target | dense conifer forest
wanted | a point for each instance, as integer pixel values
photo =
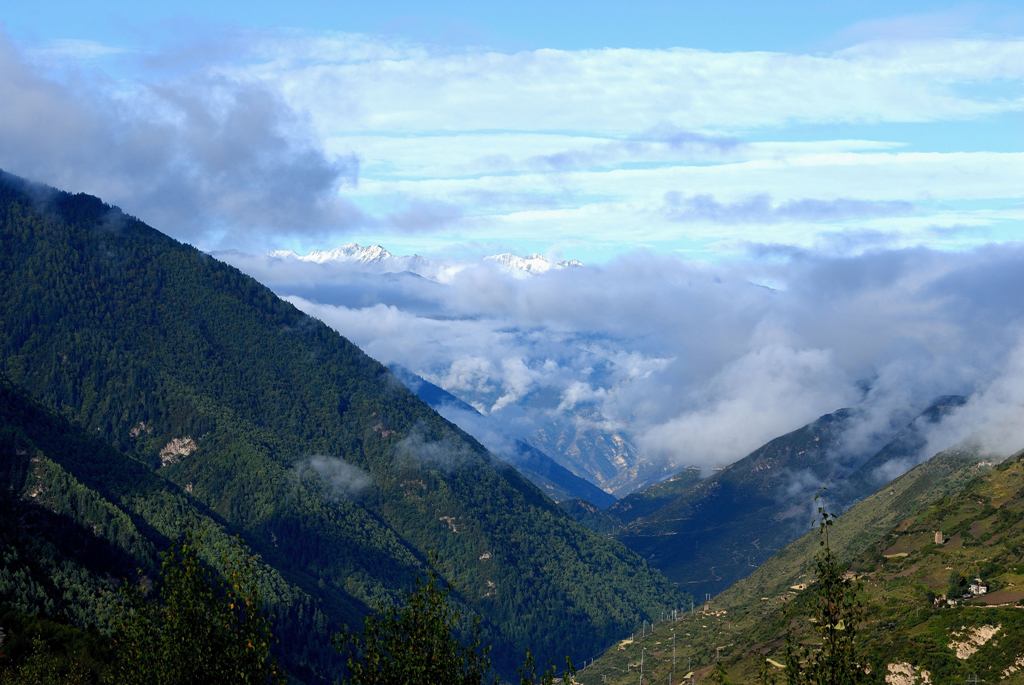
(159, 392)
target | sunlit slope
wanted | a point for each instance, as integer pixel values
(749, 620)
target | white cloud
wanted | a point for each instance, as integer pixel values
(696, 361)
(544, 145)
(626, 90)
(342, 479)
(767, 392)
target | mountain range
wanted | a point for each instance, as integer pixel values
(378, 288)
(203, 386)
(149, 391)
(379, 258)
(556, 481)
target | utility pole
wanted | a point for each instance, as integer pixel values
(673, 651)
(643, 650)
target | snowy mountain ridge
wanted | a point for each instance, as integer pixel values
(533, 264)
(378, 256)
(349, 252)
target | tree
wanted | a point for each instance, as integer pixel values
(957, 585)
(203, 628)
(45, 667)
(838, 660)
(528, 672)
(417, 643)
(719, 675)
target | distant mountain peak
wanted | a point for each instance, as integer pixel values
(532, 264)
(349, 252)
(378, 257)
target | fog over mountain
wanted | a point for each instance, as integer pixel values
(697, 364)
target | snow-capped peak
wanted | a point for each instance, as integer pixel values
(534, 264)
(350, 252)
(377, 258)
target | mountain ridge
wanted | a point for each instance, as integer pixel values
(296, 438)
(707, 533)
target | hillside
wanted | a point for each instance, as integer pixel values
(279, 427)
(652, 499)
(706, 534)
(889, 541)
(81, 517)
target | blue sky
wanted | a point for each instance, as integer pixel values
(573, 129)
(529, 24)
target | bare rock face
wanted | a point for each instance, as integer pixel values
(139, 429)
(176, 450)
(904, 673)
(966, 641)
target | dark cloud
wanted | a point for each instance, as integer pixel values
(198, 156)
(841, 243)
(760, 209)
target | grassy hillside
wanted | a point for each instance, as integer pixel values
(714, 532)
(952, 492)
(330, 469)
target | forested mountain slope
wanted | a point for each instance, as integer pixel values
(79, 518)
(708, 533)
(329, 468)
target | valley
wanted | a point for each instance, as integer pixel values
(525, 343)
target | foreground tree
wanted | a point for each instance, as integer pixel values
(528, 672)
(417, 643)
(838, 659)
(203, 628)
(45, 667)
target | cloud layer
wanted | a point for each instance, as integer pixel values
(701, 364)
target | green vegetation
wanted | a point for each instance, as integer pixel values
(183, 397)
(705, 534)
(199, 628)
(911, 625)
(416, 644)
(84, 517)
(837, 657)
(202, 628)
(419, 643)
(747, 624)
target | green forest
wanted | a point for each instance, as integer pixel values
(152, 392)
